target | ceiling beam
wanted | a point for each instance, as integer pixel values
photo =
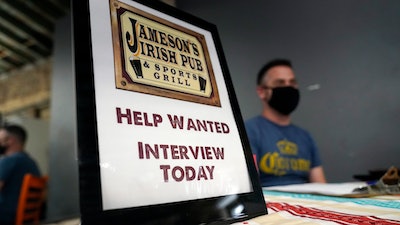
(20, 28)
(26, 30)
(32, 18)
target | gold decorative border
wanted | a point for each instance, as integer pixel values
(121, 75)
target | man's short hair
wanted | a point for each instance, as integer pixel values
(269, 65)
(16, 131)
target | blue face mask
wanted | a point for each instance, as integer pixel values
(284, 99)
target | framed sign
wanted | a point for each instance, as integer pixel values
(160, 135)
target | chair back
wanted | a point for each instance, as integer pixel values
(31, 199)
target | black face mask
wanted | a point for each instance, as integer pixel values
(284, 99)
(3, 149)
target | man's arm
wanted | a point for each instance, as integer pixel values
(317, 175)
(1, 184)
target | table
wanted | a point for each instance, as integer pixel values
(73, 221)
(290, 208)
(287, 208)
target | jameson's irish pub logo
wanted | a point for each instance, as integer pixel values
(155, 56)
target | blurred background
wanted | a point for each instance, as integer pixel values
(346, 55)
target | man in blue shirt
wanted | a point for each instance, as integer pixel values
(285, 153)
(14, 164)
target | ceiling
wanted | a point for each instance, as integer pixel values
(26, 31)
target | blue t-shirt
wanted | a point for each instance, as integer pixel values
(12, 170)
(285, 154)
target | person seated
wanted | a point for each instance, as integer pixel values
(285, 153)
(14, 164)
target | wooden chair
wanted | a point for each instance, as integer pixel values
(31, 199)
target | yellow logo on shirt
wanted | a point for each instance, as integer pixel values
(277, 164)
(287, 148)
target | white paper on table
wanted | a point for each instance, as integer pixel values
(336, 189)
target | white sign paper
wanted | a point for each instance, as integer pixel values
(155, 149)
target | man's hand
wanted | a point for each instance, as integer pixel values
(317, 175)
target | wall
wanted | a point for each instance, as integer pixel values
(346, 54)
(63, 193)
(26, 91)
(38, 142)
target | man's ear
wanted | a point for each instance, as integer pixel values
(261, 92)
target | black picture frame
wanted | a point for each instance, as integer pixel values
(200, 211)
